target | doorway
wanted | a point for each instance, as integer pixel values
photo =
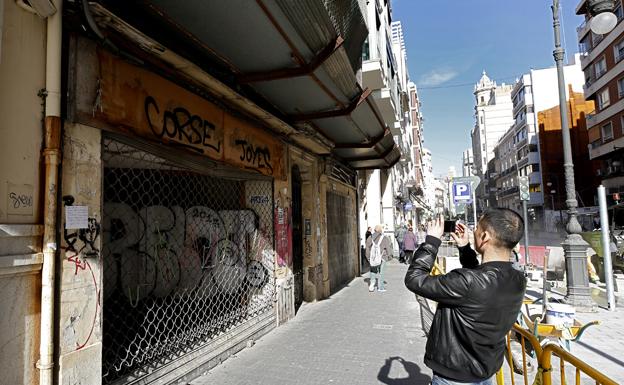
(297, 224)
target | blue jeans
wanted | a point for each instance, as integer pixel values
(437, 380)
(380, 275)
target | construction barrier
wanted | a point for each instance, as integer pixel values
(532, 352)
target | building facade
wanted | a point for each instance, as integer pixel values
(601, 62)
(468, 166)
(493, 117)
(430, 184)
(519, 148)
(416, 186)
(390, 197)
(586, 172)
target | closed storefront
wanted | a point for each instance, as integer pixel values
(187, 256)
(341, 235)
(340, 226)
(187, 224)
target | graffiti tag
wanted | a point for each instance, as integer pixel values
(255, 156)
(183, 126)
(20, 200)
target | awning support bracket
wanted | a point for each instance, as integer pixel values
(333, 113)
(302, 70)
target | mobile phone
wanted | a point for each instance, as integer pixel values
(449, 226)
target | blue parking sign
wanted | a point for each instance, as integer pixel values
(462, 192)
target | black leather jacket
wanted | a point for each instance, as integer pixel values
(477, 306)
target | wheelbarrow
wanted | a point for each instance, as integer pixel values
(564, 334)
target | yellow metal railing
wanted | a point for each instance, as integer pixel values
(543, 356)
(564, 356)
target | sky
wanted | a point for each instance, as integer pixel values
(450, 43)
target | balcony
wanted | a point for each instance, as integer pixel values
(534, 157)
(600, 44)
(536, 199)
(510, 191)
(520, 103)
(582, 30)
(373, 75)
(385, 103)
(531, 158)
(598, 149)
(509, 171)
(535, 178)
(395, 128)
(596, 117)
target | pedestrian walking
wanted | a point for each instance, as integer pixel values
(421, 234)
(378, 252)
(477, 304)
(399, 235)
(410, 243)
(368, 234)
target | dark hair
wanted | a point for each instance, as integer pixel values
(505, 225)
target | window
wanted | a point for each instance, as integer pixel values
(620, 83)
(600, 67)
(607, 132)
(589, 79)
(622, 123)
(618, 11)
(530, 109)
(366, 50)
(618, 51)
(603, 99)
(584, 45)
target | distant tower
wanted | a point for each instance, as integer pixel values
(483, 90)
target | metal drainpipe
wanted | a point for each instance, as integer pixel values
(51, 154)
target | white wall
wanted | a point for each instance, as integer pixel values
(22, 75)
(545, 89)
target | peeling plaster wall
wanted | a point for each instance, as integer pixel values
(314, 232)
(22, 75)
(80, 323)
(313, 226)
(19, 328)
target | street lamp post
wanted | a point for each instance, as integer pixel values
(575, 248)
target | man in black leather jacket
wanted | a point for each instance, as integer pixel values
(477, 304)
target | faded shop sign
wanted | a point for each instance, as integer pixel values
(139, 101)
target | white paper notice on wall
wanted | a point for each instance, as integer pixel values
(76, 217)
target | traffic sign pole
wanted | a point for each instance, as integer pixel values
(474, 209)
(525, 195)
(527, 257)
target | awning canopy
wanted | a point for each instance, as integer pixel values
(298, 56)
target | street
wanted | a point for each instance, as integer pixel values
(357, 337)
(353, 337)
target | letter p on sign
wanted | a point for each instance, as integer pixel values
(461, 192)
